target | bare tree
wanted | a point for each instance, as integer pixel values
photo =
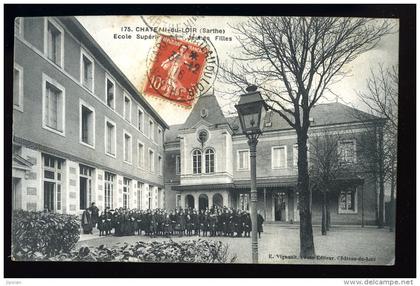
(326, 165)
(379, 146)
(294, 60)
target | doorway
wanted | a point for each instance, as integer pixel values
(217, 200)
(49, 196)
(83, 193)
(52, 178)
(203, 202)
(189, 202)
(280, 206)
(85, 186)
(16, 194)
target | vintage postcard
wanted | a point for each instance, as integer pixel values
(205, 139)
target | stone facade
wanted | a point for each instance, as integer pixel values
(34, 140)
(353, 201)
(204, 161)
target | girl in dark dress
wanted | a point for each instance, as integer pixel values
(260, 221)
(182, 223)
(87, 222)
(102, 224)
(167, 227)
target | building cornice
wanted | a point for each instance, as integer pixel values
(58, 153)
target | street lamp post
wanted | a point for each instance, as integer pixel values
(251, 112)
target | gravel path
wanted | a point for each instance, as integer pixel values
(280, 244)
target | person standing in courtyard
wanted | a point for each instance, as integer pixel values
(87, 221)
(260, 221)
(95, 214)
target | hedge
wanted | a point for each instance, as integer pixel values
(38, 235)
(191, 251)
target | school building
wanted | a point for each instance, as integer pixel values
(207, 163)
(82, 132)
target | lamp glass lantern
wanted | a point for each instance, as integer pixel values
(251, 111)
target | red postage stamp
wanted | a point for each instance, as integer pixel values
(176, 69)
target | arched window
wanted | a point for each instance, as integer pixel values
(209, 159)
(196, 156)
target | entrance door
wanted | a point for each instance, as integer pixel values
(49, 196)
(126, 193)
(52, 178)
(189, 202)
(85, 186)
(83, 193)
(203, 202)
(16, 194)
(280, 206)
(217, 200)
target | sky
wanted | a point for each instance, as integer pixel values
(133, 56)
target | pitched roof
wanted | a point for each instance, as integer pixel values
(212, 108)
(321, 115)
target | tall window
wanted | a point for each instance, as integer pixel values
(110, 92)
(178, 201)
(87, 70)
(149, 198)
(151, 161)
(347, 201)
(243, 160)
(52, 180)
(160, 165)
(18, 87)
(347, 151)
(85, 186)
(295, 155)
(110, 138)
(196, 156)
(209, 159)
(140, 187)
(178, 164)
(127, 108)
(244, 202)
(140, 154)
(160, 136)
(127, 147)
(87, 124)
(54, 43)
(109, 189)
(140, 119)
(126, 193)
(53, 104)
(151, 130)
(278, 157)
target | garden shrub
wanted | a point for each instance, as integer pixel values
(191, 251)
(38, 235)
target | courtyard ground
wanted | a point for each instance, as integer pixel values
(279, 244)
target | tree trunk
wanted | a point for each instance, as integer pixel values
(307, 249)
(374, 170)
(381, 181)
(324, 214)
(392, 206)
(328, 212)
